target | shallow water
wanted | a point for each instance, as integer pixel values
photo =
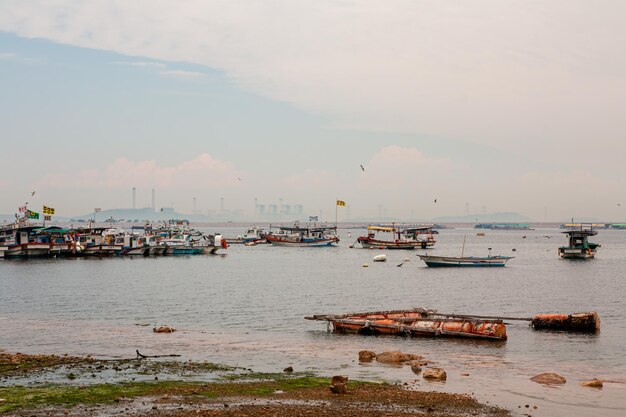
(246, 308)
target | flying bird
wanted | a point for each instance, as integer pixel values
(239, 179)
(435, 200)
(32, 193)
(619, 204)
(362, 169)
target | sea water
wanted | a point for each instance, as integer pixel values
(246, 308)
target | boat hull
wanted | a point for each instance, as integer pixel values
(450, 261)
(28, 250)
(157, 250)
(304, 243)
(143, 251)
(575, 253)
(183, 250)
(474, 329)
(382, 244)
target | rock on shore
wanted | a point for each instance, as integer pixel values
(549, 378)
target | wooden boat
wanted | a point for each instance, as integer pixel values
(417, 322)
(578, 246)
(456, 261)
(407, 238)
(297, 236)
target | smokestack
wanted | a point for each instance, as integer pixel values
(134, 197)
(153, 201)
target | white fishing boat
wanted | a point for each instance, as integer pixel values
(253, 234)
(297, 236)
(465, 261)
(485, 261)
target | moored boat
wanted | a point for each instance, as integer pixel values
(400, 237)
(253, 234)
(455, 261)
(297, 236)
(21, 242)
(578, 245)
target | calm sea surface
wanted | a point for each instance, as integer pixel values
(246, 308)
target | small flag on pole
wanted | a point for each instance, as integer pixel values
(47, 217)
(48, 210)
(341, 203)
(97, 210)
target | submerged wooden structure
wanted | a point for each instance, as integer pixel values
(417, 322)
(424, 322)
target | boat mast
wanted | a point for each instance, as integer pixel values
(463, 248)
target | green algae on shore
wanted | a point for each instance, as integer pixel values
(232, 392)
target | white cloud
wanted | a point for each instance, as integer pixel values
(141, 64)
(201, 172)
(7, 56)
(182, 74)
(511, 74)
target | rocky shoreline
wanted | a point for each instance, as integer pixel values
(51, 385)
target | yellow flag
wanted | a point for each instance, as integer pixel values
(341, 203)
(48, 210)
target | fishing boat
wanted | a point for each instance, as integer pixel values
(21, 242)
(253, 234)
(456, 261)
(417, 322)
(297, 236)
(578, 245)
(57, 237)
(399, 237)
(135, 245)
(443, 261)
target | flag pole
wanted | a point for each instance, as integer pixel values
(336, 211)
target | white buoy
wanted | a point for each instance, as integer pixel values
(380, 258)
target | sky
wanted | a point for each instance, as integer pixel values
(499, 105)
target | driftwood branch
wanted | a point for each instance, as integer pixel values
(140, 356)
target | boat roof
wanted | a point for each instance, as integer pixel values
(51, 229)
(397, 228)
(583, 232)
(381, 229)
(310, 229)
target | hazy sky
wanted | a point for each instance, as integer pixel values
(510, 105)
